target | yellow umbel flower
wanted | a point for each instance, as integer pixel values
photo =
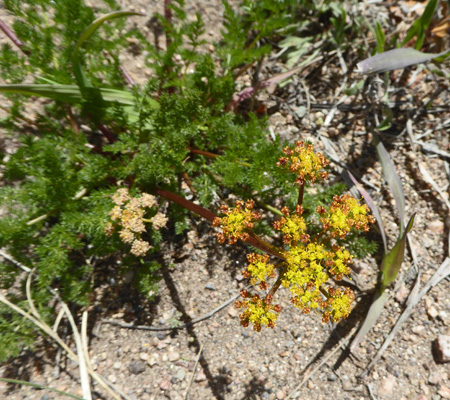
(236, 221)
(260, 312)
(259, 269)
(344, 214)
(303, 161)
(293, 227)
(338, 305)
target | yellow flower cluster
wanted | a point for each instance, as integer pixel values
(344, 214)
(338, 305)
(308, 269)
(303, 161)
(237, 221)
(293, 227)
(259, 269)
(260, 312)
(128, 214)
(310, 257)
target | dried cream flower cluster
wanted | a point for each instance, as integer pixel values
(128, 214)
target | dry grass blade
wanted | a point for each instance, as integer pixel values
(112, 390)
(414, 298)
(373, 207)
(186, 396)
(392, 179)
(431, 181)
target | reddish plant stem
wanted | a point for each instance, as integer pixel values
(168, 16)
(252, 240)
(189, 182)
(107, 133)
(127, 76)
(8, 32)
(277, 284)
(301, 192)
(203, 153)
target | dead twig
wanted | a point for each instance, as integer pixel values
(186, 396)
(168, 328)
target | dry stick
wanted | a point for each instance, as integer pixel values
(414, 298)
(186, 396)
(168, 328)
(343, 342)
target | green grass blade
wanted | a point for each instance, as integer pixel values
(25, 383)
(390, 266)
(379, 35)
(393, 261)
(419, 27)
(393, 180)
(72, 94)
(376, 308)
(89, 31)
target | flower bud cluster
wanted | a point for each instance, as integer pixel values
(304, 162)
(237, 221)
(128, 214)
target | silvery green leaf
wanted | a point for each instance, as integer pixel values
(395, 59)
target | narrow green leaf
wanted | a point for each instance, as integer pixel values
(376, 308)
(392, 179)
(71, 94)
(379, 36)
(89, 31)
(393, 261)
(390, 266)
(36, 385)
(419, 27)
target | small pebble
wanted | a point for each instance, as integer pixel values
(432, 312)
(441, 347)
(180, 374)
(173, 356)
(435, 378)
(444, 392)
(136, 367)
(210, 286)
(200, 377)
(233, 311)
(281, 395)
(387, 386)
(331, 377)
(165, 384)
(112, 378)
(436, 226)
(153, 359)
